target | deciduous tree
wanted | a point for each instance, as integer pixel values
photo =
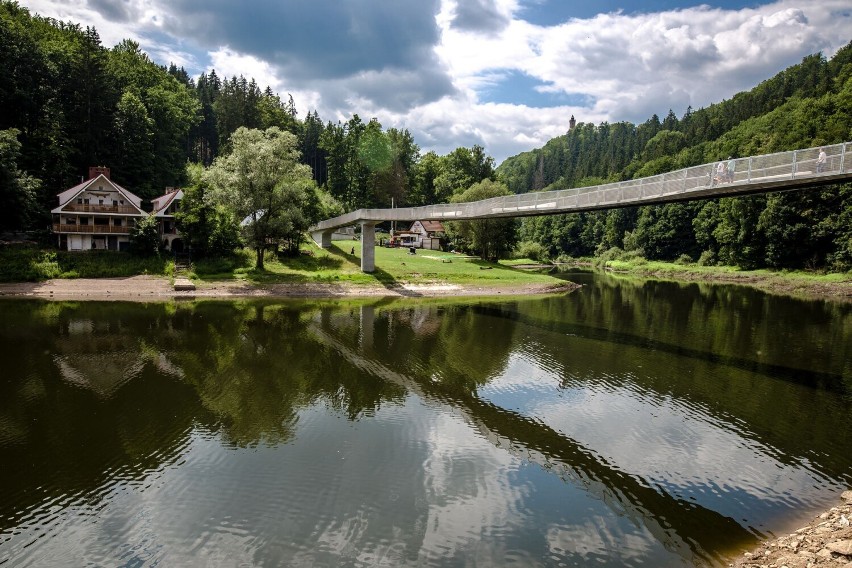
(262, 181)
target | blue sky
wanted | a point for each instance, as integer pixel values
(506, 74)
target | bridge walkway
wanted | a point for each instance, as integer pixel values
(781, 171)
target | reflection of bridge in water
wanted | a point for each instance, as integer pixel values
(765, 173)
(695, 533)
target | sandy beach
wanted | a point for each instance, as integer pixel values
(152, 288)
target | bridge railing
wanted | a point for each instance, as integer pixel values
(762, 169)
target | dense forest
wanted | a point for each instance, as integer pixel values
(67, 102)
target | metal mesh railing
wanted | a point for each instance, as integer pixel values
(769, 171)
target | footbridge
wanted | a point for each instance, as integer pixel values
(798, 169)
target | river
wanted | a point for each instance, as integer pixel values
(628, 423)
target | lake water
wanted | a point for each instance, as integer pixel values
(628, 423)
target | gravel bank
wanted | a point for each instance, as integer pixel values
(826, 542)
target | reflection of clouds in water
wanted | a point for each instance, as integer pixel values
(595, 539)
(467, 488)
(673, 443)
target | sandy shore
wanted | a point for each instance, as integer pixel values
(152, 288)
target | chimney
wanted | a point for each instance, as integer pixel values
(95, 171)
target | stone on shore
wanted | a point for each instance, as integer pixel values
(183, 284)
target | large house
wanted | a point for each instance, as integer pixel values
(96, 214)
(164, 209)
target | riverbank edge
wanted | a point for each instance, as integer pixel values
(837, 287)
(156, 288)
(825, 542)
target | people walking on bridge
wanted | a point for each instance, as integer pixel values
(821, 161)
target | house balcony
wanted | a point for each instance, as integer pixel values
(76, 207)
(92, 229)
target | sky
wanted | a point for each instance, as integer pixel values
(504, 74)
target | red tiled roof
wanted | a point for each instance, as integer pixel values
(432, 226)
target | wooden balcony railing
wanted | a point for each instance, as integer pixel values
(99, 229)
(100, 208)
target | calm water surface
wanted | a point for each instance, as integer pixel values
(624, 424)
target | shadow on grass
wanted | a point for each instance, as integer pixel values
(383, 277)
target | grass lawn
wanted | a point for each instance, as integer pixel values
(393, 266)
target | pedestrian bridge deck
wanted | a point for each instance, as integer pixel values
(780, 171)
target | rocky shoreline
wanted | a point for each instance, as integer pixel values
(826, 542)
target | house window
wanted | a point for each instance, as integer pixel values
(100, 201)
(121, 201)
(84, 220)
(79, 201)
(114, 202)
(86, 201)
(117, 222)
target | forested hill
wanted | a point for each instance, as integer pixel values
(802, 106)
(806, 105)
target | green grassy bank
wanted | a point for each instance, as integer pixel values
(28, 263)
(393, 266)
(23, 263)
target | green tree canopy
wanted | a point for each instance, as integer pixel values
(490, 238)
(262, 182)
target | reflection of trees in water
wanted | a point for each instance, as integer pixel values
(449, 344)
(254, 366)
(728, 321)
(69, 421)
(754, 375)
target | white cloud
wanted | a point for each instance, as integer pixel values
(622, 66)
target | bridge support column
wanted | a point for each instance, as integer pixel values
(322, 238)
(368, 247)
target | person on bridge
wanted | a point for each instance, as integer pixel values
(821, 161)
(720, 173)
(729, 176)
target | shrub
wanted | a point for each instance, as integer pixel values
(708, 258)
(532, 250)
(683, 259)
(613, 253)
